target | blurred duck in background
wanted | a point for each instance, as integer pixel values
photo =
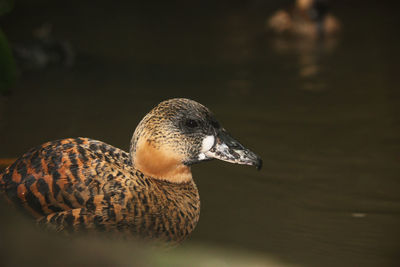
(307, 18)
(43, 51)
(308, 32)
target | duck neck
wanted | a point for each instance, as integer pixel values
(159, 162)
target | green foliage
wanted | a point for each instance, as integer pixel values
(8, 71)
(6, 6)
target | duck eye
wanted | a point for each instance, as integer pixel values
(191, 123)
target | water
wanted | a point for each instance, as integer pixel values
(325, 118)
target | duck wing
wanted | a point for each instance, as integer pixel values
(69, 174)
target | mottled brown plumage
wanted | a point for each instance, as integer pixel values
(80, 184)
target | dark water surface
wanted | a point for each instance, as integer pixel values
(324, 117)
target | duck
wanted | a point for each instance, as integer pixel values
(306, 18)
(81, 185)
(43, 51)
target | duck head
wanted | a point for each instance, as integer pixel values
(178, 133)
(316, 11)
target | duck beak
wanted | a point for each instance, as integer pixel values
(226, 148)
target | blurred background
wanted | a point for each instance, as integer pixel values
(322, 110)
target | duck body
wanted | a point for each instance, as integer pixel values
(84, 185)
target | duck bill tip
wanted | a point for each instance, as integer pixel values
(258, 164)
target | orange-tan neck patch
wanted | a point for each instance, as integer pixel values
(162, 163)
